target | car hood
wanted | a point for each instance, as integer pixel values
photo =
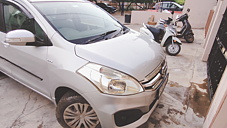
(131, 53)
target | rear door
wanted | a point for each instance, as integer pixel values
(28, 63)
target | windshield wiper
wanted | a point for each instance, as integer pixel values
(125, 30)
(122, 31)
(99, 37)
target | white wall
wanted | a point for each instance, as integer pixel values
(197, 17)
(200, 10)
(139, 17)
(220, 121)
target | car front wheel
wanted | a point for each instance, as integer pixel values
(74, 111)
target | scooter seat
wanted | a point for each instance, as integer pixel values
(155, 31)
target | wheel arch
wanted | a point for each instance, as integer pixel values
(60, 91)
(170, 38)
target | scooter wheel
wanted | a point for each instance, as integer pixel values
(173, 49)
(189, 38)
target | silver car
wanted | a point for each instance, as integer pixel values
(98, 72)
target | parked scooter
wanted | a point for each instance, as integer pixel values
(186, 30)
(169, 39)
(162, 22)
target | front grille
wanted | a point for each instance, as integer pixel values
(154, 79)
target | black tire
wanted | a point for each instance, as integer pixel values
(189, 38)
(72, 109)
(173, 49)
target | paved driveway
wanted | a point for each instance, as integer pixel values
(21, 107)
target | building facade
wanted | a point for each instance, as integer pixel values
(215, 54)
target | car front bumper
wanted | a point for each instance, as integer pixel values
(126, 111)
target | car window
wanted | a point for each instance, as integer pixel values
(77, 22)
(101, 4)
(2, 28)
(173, 6)
(164, 5)
(16, 19)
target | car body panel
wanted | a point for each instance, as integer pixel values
(121, 52)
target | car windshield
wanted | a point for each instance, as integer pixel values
(79, 22)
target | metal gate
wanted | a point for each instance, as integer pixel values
(217, 60)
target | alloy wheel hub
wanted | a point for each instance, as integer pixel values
(80, 115)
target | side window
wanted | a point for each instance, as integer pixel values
(102, 5)
(16, 19)
(164, 5)
(168, 5)
(173, 6)
(2, 28)
(39, 33)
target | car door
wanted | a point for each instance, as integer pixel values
(4, 65)
(28, 63)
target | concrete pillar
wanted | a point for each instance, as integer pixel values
(214, 26)
(216, 117)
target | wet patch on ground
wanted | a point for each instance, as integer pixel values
(198, 98)
(169, 114)
(195, 97)
(41, 125)
(182, 106)
(176, 91)
(171, 117)
(154, 121)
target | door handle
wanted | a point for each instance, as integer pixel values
(50, 61)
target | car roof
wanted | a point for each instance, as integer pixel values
(172, 2)
(167, 2)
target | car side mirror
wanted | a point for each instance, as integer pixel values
(19, 37)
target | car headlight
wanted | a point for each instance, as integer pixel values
(110, 81)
